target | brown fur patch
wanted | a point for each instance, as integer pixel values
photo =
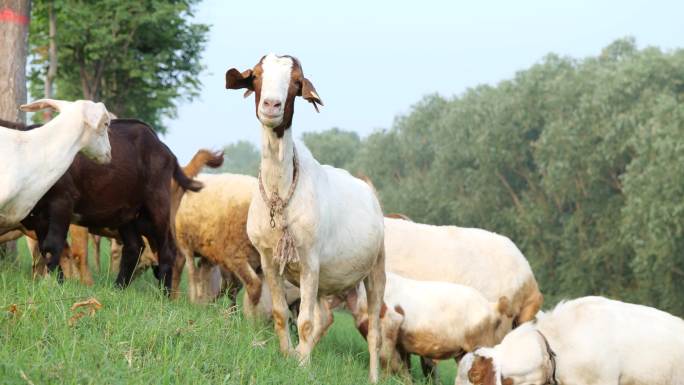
(305, 331)
(363, 328)
(507, 381)
(531, 301)
(426, 344)
(398, 216)
(383, 310)
(399, 309)
(482, 334)
(482, 372)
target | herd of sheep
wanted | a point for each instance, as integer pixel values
(313, 238)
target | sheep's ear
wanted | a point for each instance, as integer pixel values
(309, 93)
(94, 113)
(482, 372)
(42, 104)
(236, 80)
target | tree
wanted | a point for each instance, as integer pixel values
(579, 161)
(334, 147)
(240, 158)
(139, 58)
(14, 20)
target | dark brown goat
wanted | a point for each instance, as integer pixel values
(131, 194)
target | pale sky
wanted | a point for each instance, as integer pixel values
(371, 60)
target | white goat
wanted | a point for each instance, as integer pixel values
(486, 261)
(34, 160)
(437, 320)
(326, 234)
(590, 340)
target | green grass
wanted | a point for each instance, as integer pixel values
(140, 337)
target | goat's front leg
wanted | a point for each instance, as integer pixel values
(278, 300)
(55, 240)
(308, 287)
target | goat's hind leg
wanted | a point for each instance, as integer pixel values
(132, 248)
(375, 290)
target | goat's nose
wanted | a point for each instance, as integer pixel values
(272, 103)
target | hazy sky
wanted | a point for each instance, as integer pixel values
(371, 60)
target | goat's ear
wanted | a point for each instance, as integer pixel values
(236, 80)
(42, 104)
(94, 113)
(309, 93)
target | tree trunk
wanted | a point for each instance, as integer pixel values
(14, 19)
(52, 58)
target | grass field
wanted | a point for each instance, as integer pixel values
(140, 337)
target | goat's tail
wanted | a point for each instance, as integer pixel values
(203, 158)
(183, 180)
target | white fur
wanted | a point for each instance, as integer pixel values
(33, 161)
(486, 261)
(274, 86)
(597, 342)
(440, 319)
(334, 218)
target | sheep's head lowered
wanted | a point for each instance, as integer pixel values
(275, 81)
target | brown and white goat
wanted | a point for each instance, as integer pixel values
(486, 261)
(436, 320)
(329, 227)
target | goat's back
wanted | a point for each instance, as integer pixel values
(212, 222)
(645, 344)
(486, 261)
(112, 194)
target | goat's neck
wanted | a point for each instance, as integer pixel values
(52, 147)
(276, 161)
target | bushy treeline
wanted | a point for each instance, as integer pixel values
(580, 162)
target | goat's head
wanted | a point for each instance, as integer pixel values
(522, 357)
(94, 119)
(275, 81)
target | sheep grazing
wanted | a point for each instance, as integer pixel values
(437, 320)
(132, 194)
(212, 224)
(81, 126)
(483, 260)
(316, 226)
(589, 340)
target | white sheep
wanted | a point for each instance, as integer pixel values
(486, 261)
(34, 160)
(590, 340)
(315, 225)
(437, 320)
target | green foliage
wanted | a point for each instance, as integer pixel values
(580, 162)
(239, 158)
(140, 337)
(334, 147)
(138, 57)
